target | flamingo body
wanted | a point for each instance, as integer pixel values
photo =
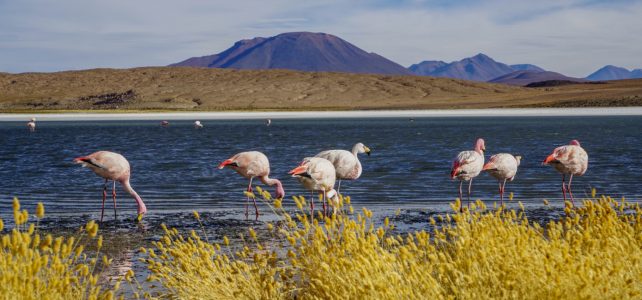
(253, 164)
(346, 163)
(503, 166)
(467, 165)
(570, 160)
(112, 166)
(317, 174)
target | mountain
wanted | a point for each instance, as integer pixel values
(302, 51)
(523, 78)
(479, 68)
(426, 67)
(526, 67)
(637, 73)
(610, 73)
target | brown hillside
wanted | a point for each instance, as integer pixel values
(202, 89)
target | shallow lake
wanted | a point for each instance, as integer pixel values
(174, 168)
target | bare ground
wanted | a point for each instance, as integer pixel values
(201, 89)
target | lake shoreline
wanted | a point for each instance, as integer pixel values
(247, 115)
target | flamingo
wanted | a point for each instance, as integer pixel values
(198, 124)
(346, 163)
(164, 123)
(112, 166)
(317, 174)
(32, 124)
(467, 165)
(571, 160)
(502, 166)
(253, 164)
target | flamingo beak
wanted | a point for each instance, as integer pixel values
(80, 159)
(225, 163)
(549, 159)
(487, 166)
(298, 170)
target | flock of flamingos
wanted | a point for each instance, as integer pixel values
(320, 173)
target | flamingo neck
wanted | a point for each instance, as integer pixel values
(142, 209)
(355, 150)
(279, 193)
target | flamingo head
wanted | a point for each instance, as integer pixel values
(279, 193)
(480, 145)
(300, 170)
(360, 148)
(574, 143)
(228, 162)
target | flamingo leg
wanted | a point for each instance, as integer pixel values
(325, 209)
(470, 185)
(339, 188)
(564, 187)
(461, 197)
(570, 193)
(102, 213)
(113, 194)
(312, 205)
(247, 200)
(501, 193)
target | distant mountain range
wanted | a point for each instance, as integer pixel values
(614, 73)
(302, 51)
(307, 51)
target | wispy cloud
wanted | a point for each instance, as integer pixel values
(571, 36)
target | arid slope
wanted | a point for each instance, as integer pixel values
(203, 89)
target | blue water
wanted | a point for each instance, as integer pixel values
(174, 168)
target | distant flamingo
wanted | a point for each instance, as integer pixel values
(467, 165)
(346, 163)
(112, 166)
(32, 125)
(198, 124)
(164, 123)
(253, 164)
(502, 166)
(571, 159)
(317, 174)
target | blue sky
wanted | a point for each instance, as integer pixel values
(569, 36)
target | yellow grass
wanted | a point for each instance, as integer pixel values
(593, 252)
(35, 266)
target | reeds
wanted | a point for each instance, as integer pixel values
(594, 251)
(35, 266)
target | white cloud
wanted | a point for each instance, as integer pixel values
(572, 37)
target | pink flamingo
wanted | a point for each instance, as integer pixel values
(467, 165)
(570, 159)
(112, 166)
(164, 123)
(502, 166)
(346, 163)
(317, 174)
(253, 164)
